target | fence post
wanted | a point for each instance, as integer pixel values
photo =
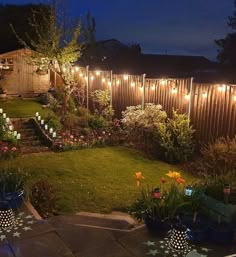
(143, 92)
(190, 98)
(111, 89)
(87, 87)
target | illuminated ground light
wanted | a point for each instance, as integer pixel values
(7, 218)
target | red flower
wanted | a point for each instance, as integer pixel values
(5, 148)
(163, 180)
(180, 180)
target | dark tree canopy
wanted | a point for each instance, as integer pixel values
(227, 46)
(18, 16)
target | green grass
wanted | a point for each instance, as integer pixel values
(96, 180)
(19, 108)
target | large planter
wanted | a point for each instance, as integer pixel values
(226, 211)
(14, 199)
(221, 233)
(197, 232)
(157, 227)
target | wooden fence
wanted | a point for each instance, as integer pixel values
(210, 107)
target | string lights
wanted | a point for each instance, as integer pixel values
(125, 76)
(174, 90)
(204, 95)
(153, 87)
(187, 97)
(222, 88)
(132, 84)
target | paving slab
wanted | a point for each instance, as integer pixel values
(45, 245)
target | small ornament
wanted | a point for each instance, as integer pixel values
(188, 191)
(7, 218)
(157, 193)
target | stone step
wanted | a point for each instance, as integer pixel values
(30, 143)
(34, 149)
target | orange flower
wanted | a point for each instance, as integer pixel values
(180, 180)
(163, 180)
(138, 176)
(173, 174)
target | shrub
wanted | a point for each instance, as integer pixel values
(175, 138)
(70, 121)
(53, 121)
(216, 158)
(96, 122)
(43, 198)
(8, 151)
(101, 101)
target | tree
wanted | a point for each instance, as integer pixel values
(55, 47)
(227, 46)
(18, 16)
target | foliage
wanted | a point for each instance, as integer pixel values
(141, 124)
(43, 197)
(216, 158)
(12, 180)
(166, 205)
(96, 121)
(101, 100)
(175, 138)
(214, 186)
(70, 121)
(226, 51)
(53, 121)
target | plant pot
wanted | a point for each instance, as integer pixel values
(221, 233)
(197, 232)
(14, 199)
(156, 226)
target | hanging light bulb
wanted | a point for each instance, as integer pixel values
(81, 74)
(163, 82)
(109, 83)
(222, 88)
(132, 84)
(72, 70)
(187, 97)
(85, 78)
(103, 80)
(117, 82)
(153, 87)
(64, 69)
(204, 95)
(141, 89)
(234, 98)
(92, 77)
(174, 90)
(77, 68)
(125, 77)
(98, 73)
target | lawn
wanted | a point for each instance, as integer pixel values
(95, 180)
(19, 108)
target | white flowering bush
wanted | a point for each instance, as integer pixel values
(142, 123)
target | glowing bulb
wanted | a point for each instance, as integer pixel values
(103, 80)
(132, 84)
(153, 87)
(187, 97)
(234, 98)
(98, 73)
(125, 77)
(204, 95)
(92, 77)
(117, 82)
(141, 89)
(222, 88)
(81, 74)
(174, 90)
(76, 68)
(109, 83)
(64, 69)
(85, 77)
(72, 71)
(163, 82)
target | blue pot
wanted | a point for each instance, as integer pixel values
(14, 199)
(221, 234)
(157, 226)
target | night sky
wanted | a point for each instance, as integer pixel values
(187, 27)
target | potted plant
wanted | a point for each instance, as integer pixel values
(158, 207)
(12, 187)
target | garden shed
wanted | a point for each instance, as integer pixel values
(20, 76)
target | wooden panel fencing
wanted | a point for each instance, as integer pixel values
(211, 107)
